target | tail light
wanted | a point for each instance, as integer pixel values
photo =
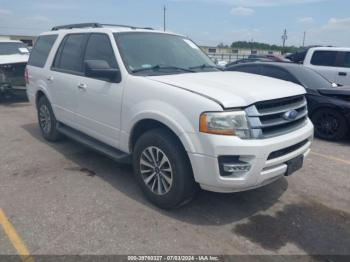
(26, 77)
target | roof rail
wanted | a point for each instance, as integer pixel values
(71, 26)
(128, 26)
(95, 25)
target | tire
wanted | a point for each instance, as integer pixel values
(329, 124)
(172, 184)
(47, 120)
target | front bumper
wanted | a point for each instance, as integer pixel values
(205, 163)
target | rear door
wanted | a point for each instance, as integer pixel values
(99, 102)
(324, 62)
(343, 66)
(65, 75)
(36, 69)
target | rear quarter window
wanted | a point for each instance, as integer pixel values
(324, 58)
(41, 50)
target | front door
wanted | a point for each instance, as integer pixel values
(99, 100)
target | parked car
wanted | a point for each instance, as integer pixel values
(155, 99)
(331, 62)
(271, 57)
(248, 60)
(13, 59)
(328, 105)
(299, 56)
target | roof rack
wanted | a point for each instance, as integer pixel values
(95, 25)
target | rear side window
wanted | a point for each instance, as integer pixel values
(324, 58)
(252, 69)
(346, 61)
(70, 53)
(41, 50)
(278, 73)
(99, 48)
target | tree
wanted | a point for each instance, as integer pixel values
(263, 46)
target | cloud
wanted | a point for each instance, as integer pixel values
(256, 3)
(242, 11)
(306, 20)
(40, 18)
(5, 12)
(338, 24)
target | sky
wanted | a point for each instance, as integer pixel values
(207, 22)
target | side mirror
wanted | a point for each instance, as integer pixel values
(101, 69)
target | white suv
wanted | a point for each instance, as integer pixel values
(156, 100)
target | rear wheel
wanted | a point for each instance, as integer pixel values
(330, 124)
(163, 170)
(47, 120)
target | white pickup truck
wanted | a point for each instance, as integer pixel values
(333, 63)
(155, 99)
(13, 59)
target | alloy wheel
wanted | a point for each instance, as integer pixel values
(156, 170)
(45, 118)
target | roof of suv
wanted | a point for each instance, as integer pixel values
(96, 27)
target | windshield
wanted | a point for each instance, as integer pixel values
(158, 54)
(311, 79)
(13, 48)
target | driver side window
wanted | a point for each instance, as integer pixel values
(99, 48)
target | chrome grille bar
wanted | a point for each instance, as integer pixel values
(267, 119)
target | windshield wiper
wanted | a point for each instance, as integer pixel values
(159, 67)
(203, 66)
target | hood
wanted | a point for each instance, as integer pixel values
(15, 58)
(232, 89)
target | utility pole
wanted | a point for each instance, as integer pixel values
(164, 18)
(304, 37)
(284, 38)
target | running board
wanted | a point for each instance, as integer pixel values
(94, 144)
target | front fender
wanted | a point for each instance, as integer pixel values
(162, 112)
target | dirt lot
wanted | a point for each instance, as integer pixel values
(66, 199)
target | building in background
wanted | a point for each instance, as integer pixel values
(229, 54)
(27, 39)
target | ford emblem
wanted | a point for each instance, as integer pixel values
(290, 115)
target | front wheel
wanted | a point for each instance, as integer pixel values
(163, 170)
(329, 124)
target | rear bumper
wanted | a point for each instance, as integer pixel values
(263, 169)
(7, 87)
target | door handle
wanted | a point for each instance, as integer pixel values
(82, 87)
(342, 73)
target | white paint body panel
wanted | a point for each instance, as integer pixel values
(110, 111)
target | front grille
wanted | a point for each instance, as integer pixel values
(287, 150)
(267, 118)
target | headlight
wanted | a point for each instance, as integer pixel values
(233, 123)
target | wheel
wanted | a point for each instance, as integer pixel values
(329, 124)
(163, 170)
(47, 120)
